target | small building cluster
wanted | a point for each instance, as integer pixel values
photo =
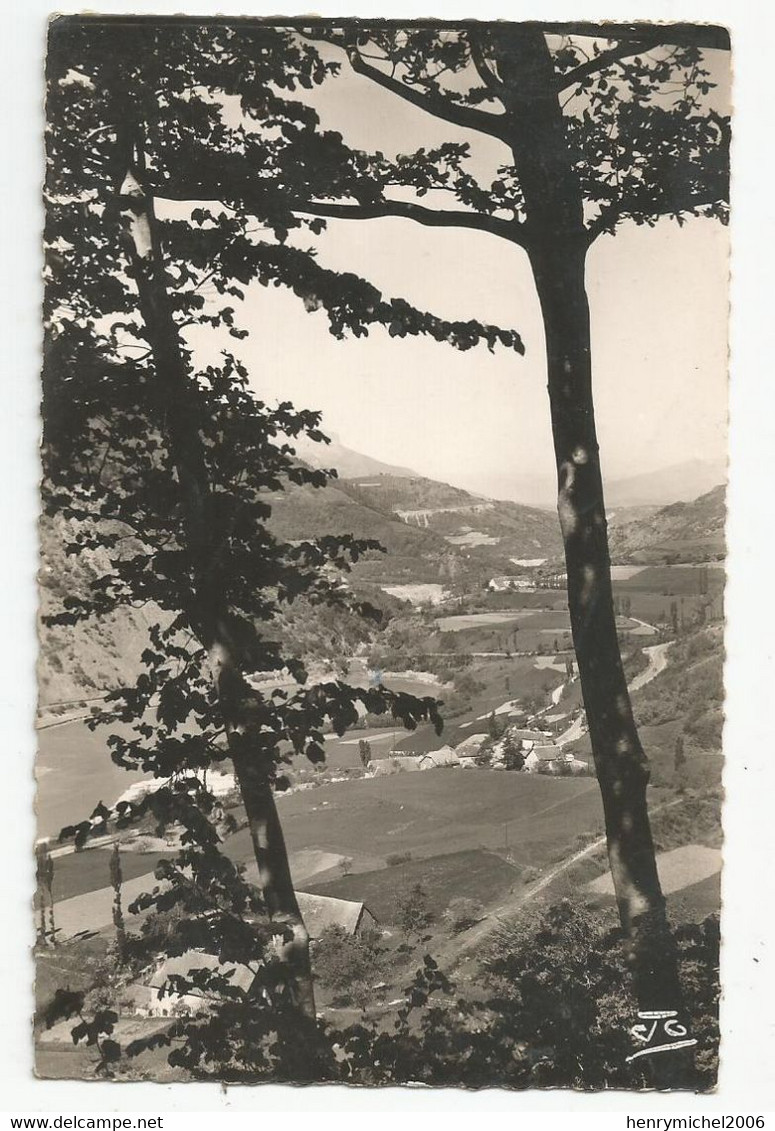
(512, 583)
(530, 751)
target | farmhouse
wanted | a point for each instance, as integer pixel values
(435, 759)
(322, 911)
(550, 759)
(504, 584)
(318, 911)
(144, 999)
(544, 759)
(412, 763)
(470, 746)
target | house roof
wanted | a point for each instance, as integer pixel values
(322, 911)
(182, 964)
(472, 742)
(547, 753)
(445, 756)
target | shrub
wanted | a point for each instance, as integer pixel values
(350, 965)
(463, 913)
(555, 1010)
(413, 914)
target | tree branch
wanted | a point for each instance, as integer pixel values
(634, 39)
(488, 77)
(678, 204)
(709, 36)
(464, 116)
(431, 217)
(600, 62)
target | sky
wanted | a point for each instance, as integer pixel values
(658, 300)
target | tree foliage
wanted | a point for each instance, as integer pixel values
(170, 465)
(551, 1011)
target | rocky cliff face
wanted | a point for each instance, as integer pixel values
(83, 660)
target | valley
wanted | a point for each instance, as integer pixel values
(501, 810)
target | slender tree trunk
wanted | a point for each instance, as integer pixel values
(117, 879)
(556, 245)
(266, 834)
(621, 764)
(251, 761)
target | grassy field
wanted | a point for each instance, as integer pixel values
(701, 769)
(89, 870)
(474, 874)
(74, 772)
(443, 811)
(529, 819)
(522, 630)
(652, 590)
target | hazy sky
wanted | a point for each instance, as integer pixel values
(659, 333)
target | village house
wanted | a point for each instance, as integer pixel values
(544, 759)
(511, 583)
(143, 998)
(468, 750)
(413, 763)
(322, 911)
(436, 759)
(551, 759)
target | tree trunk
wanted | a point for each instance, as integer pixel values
(621, 764)
(556, 243)
(117, 879)
(251, 761)
(266, 834)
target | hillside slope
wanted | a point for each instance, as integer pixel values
(484, 529)
(412, 554)
(83, 660)
(682, 532)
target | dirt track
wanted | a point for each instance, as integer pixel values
(460, 948)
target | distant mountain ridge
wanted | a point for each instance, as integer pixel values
(432, 531)
(348, 463)
(682, 532)
(492, 531)
(679, 483)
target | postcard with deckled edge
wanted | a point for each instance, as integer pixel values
(382, 552)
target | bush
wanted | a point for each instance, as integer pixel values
(413, 914)
(463, 913)
(466, 686)
(555, 1010)
(394, 858)
(561, 981)
(350, 965)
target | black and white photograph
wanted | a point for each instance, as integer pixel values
(382, 552)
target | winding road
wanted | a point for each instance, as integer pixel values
(657, 657)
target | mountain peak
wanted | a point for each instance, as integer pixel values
(349, 463)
